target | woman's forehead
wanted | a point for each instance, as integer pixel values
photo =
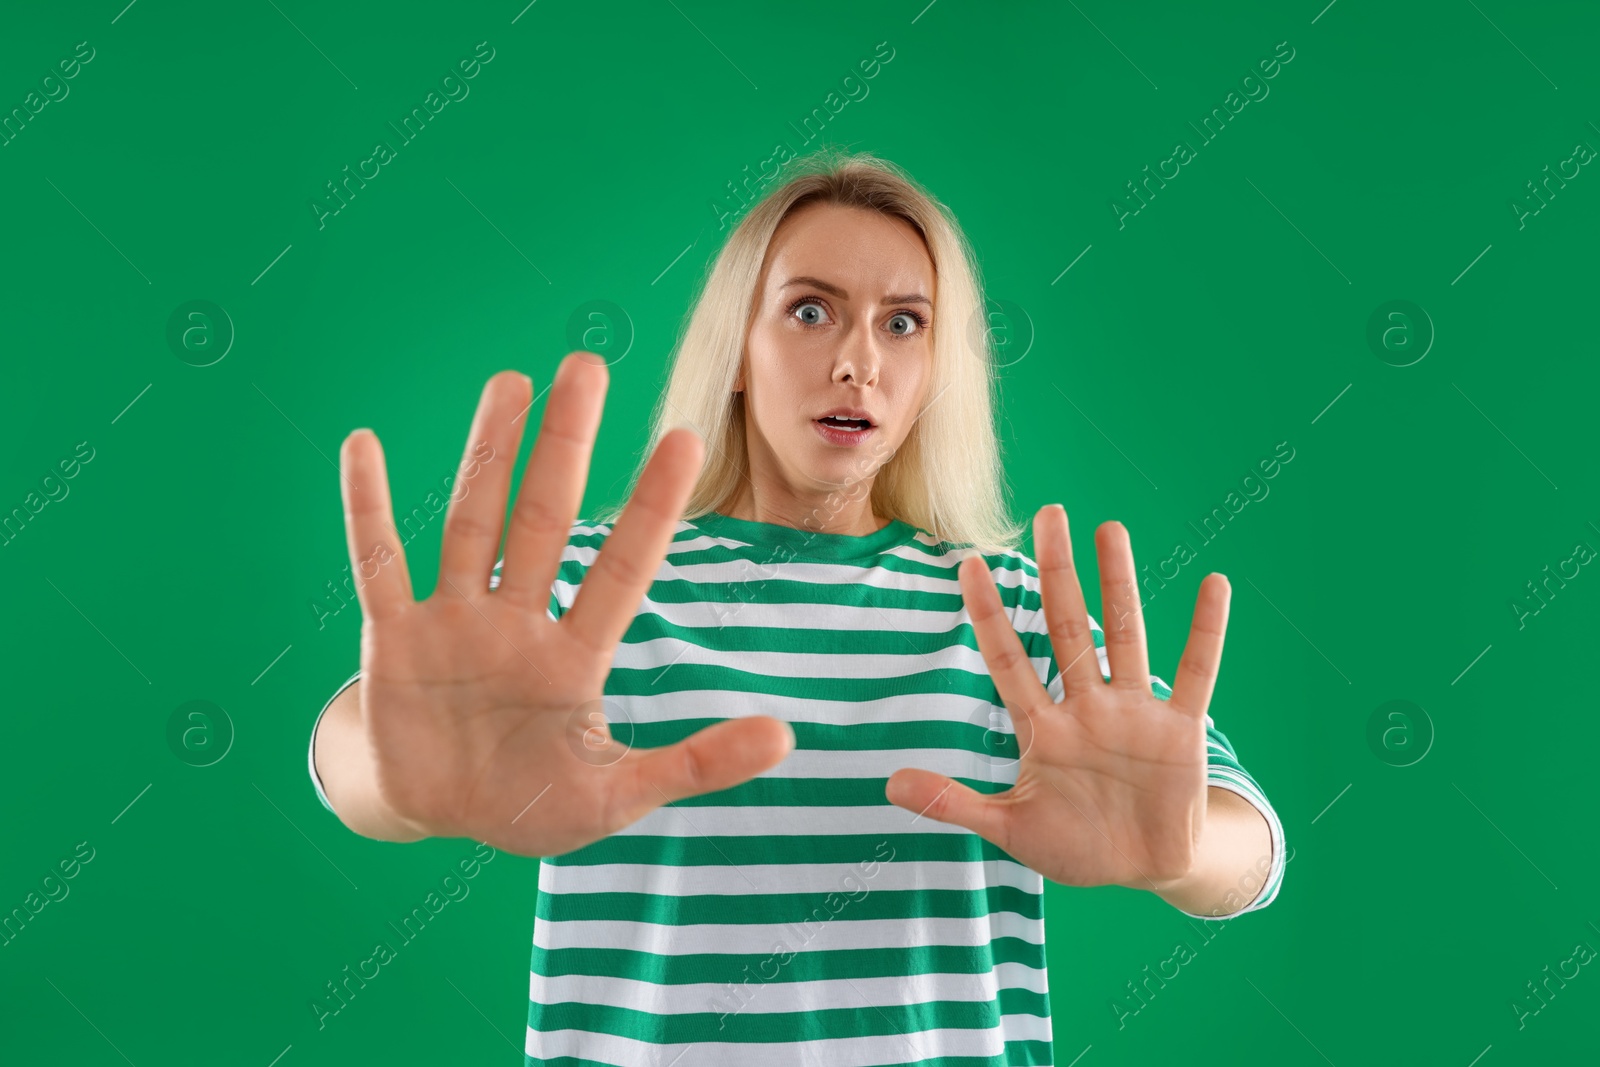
(857, 253)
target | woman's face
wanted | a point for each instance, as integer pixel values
(840, 324)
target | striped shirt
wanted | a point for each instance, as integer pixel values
(800, 918)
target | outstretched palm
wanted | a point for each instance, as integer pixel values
(484, 717)
(1111, 786)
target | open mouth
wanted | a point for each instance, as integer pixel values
(853, 425)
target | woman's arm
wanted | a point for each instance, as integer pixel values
(342, 760)
(1232, 860)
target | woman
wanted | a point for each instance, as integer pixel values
(810, 629)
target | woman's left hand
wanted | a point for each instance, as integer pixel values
(1111, 786)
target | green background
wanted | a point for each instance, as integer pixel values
(1143, 384)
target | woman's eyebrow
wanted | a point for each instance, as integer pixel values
(806, 279)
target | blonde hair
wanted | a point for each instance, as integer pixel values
(946, 478)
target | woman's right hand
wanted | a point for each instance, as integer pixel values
(483, 716)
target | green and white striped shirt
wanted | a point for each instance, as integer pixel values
(800, 918)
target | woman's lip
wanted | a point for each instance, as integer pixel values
(844, 438)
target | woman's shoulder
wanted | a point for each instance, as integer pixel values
(1014, 572)
(1001, 560)
(583, 542)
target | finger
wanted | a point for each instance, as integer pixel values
(632, 553)
(377, 560)
(1013, 672)
(996, 744)
(1123, 625)
(717, 757)
(1066, 615)
(933, 796)
(478, 494)
(1202, 653)
(552, 484)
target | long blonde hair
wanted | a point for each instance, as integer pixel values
(946, 478)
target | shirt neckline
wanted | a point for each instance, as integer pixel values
(807, 544)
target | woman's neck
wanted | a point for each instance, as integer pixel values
(830, 513)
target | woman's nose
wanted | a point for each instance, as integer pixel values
(857, 361)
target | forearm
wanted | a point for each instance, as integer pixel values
(1233, 860)
(349, 775)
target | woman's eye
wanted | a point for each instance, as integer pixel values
(907, 324)
(810, 312)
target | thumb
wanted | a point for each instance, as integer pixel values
(715, 758)
(943, 799)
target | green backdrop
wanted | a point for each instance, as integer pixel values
(1335, 262)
